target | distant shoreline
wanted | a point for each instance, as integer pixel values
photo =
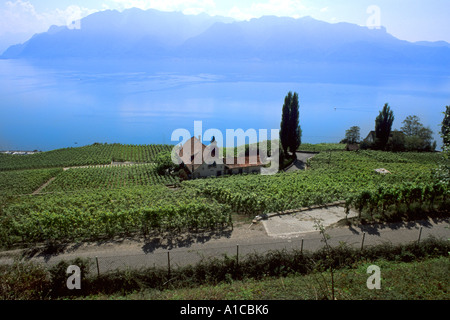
(19, 152)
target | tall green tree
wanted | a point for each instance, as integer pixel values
(397, 141)
(442, 174)
(446, 126)
(284, 126)
(383, 127)
(352, 135)
(411, 126)
(417, 137)
(296, 132)
(290, 130)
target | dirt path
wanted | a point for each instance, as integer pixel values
(113, 164)
(43, 186)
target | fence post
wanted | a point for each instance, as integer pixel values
(362, 242)
(237, 255)
(168, 262)
(301, 248)
(98, 269)
(420, 235)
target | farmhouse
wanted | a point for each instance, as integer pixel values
(371, 137)
(192, 155)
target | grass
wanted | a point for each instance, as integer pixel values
(322, 147)
(331, 177)
(421, 280)
(408, 272)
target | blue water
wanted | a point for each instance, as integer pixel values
(53, 105)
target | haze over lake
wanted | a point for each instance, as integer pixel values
(81, 94)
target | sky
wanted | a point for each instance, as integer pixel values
(412, 20)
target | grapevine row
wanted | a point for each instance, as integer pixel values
(24, 181)
(111, 177)
(92, 215)
(96, 154)
(327, 180)
(387, 197)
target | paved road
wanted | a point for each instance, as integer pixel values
(245, 239)
(300, 162)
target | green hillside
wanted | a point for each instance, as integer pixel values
(108, 201)
(96, 154)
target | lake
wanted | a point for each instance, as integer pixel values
(57, 104)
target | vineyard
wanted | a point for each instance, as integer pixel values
(397, 197)
(331, 177)
(322, 147)
(114, 200)
(91, 215)
(109, 177)
(24, 181)
(96, 154)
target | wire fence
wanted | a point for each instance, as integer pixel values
(171, 258)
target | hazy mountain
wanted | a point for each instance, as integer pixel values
(307, 40)
(285, 38)
(8, 39)
(153, 34)
(433, 43)
(133, 32)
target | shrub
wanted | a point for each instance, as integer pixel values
(24, 281)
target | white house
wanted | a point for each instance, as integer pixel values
(193, 152)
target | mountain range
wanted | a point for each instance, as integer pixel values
(153, 34)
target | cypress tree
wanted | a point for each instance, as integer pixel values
(285, 123)
(446, 126)
(295, 130)
(383, 127)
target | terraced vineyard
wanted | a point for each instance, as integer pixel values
(95, 214)
(322, 147)
(98, 202)
(96, 154)
(24, 181)
(109, 177)
(331, 177)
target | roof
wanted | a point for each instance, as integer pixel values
(243, 162)
(191, 153)
(371, 136)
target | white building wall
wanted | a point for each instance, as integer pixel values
(206, 170)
